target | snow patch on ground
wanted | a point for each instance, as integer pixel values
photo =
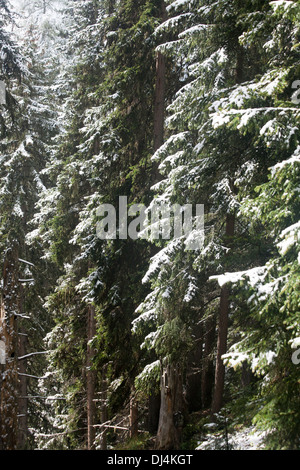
(246, 439)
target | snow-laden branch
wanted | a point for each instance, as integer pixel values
(32, 354)
(33, 376)
(26, 262)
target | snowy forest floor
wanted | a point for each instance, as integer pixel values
(225, 431)
(245, 439)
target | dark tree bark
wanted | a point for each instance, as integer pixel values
(2, 368)
(104, 412)
(207, 378)
(91, 408)
(194, 371)
(9, 334)
(159, 101)
(153, 412)
(222, 331)
(172, 410)
(134, 416)
(23, 401)
(159, 110)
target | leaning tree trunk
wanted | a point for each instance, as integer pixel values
(172, 409)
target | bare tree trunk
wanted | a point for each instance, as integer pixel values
(207, 378)
(194, 372)
(134, 416)
(221, 349)
(23, 401)
(154, 408)
(2, 368)
(104, 413)
(159, 110)
(172, 410)
(91, 408)
(159, 101)
(222, 331)
(9, 334)
(160, 88)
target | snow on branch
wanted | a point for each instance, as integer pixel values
(32, 354)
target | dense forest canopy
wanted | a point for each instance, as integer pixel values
(149, 224)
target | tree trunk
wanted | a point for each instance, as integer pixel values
(159, 101)
(9, 334)
(159, 115)
(91, 408)
(104, 413)
(221, 349)
(222, 331)
(172, 409)
(153, 412)
(207, 378)
(224, 303)
(194, 371)
(160, 86)
(159, 110)
(134, 416)
(2, 368)
(23, 401)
